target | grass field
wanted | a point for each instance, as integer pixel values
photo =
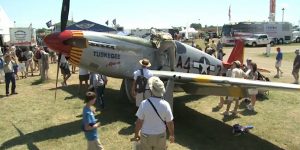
(34, 120)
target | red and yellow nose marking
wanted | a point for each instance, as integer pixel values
(65, 43)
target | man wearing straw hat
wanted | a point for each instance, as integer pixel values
(143, 73)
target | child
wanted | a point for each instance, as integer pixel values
(90, 124)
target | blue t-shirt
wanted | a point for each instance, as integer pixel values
(279, 56)
(89, 118)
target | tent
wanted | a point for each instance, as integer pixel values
(90, 26)
(5, 24)
(188, 32)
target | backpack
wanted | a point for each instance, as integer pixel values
(238, 129)
(141, 82)
(38, 55)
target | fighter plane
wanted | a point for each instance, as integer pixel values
(181, 65)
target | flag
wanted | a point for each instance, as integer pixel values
(229, 13)
(49, 23)
(106, 22)
(114, 22)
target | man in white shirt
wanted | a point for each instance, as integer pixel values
(145, 72)
(154, 115)
(237, 72)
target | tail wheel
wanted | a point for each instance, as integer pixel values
(298, 40)
(254, 44)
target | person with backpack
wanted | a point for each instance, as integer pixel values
(140, 87)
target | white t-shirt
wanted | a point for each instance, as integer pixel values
(152, 124)
(147, 73)
(83, 71)
(238, 73)
(63, 59)
(99, 79)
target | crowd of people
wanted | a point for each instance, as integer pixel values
(19, 63)
(154, 114)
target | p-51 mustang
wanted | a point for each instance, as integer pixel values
(180, 64)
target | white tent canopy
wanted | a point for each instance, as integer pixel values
(5, 24)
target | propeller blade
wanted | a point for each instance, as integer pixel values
(57, 72)
(64, 14)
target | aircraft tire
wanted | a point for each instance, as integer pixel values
(125, 90)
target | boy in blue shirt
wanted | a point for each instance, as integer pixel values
(279, 57)
(90, 124)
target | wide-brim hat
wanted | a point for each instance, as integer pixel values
(238, 63)
(156, 86)
(145, 62)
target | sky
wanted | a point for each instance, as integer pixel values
(133, 14)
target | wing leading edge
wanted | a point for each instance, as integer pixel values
(218, 85)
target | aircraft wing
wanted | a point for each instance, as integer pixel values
(218, 85)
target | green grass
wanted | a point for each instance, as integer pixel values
(34, 120)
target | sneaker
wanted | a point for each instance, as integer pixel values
(14, 93)
(276, 76)
(234, 113)
(225, 113)
(296, 82)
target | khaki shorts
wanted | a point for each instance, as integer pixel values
(94, 145)
(141, 96)
(278, 64)
(157, 142)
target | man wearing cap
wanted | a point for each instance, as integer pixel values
(145, 72)
(278, 62)
(154, 117)
(296, 66)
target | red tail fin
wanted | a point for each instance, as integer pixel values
(237, 53)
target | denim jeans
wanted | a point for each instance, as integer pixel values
(99, 90)
(10, 77)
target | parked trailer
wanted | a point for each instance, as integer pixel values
(281, 32)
